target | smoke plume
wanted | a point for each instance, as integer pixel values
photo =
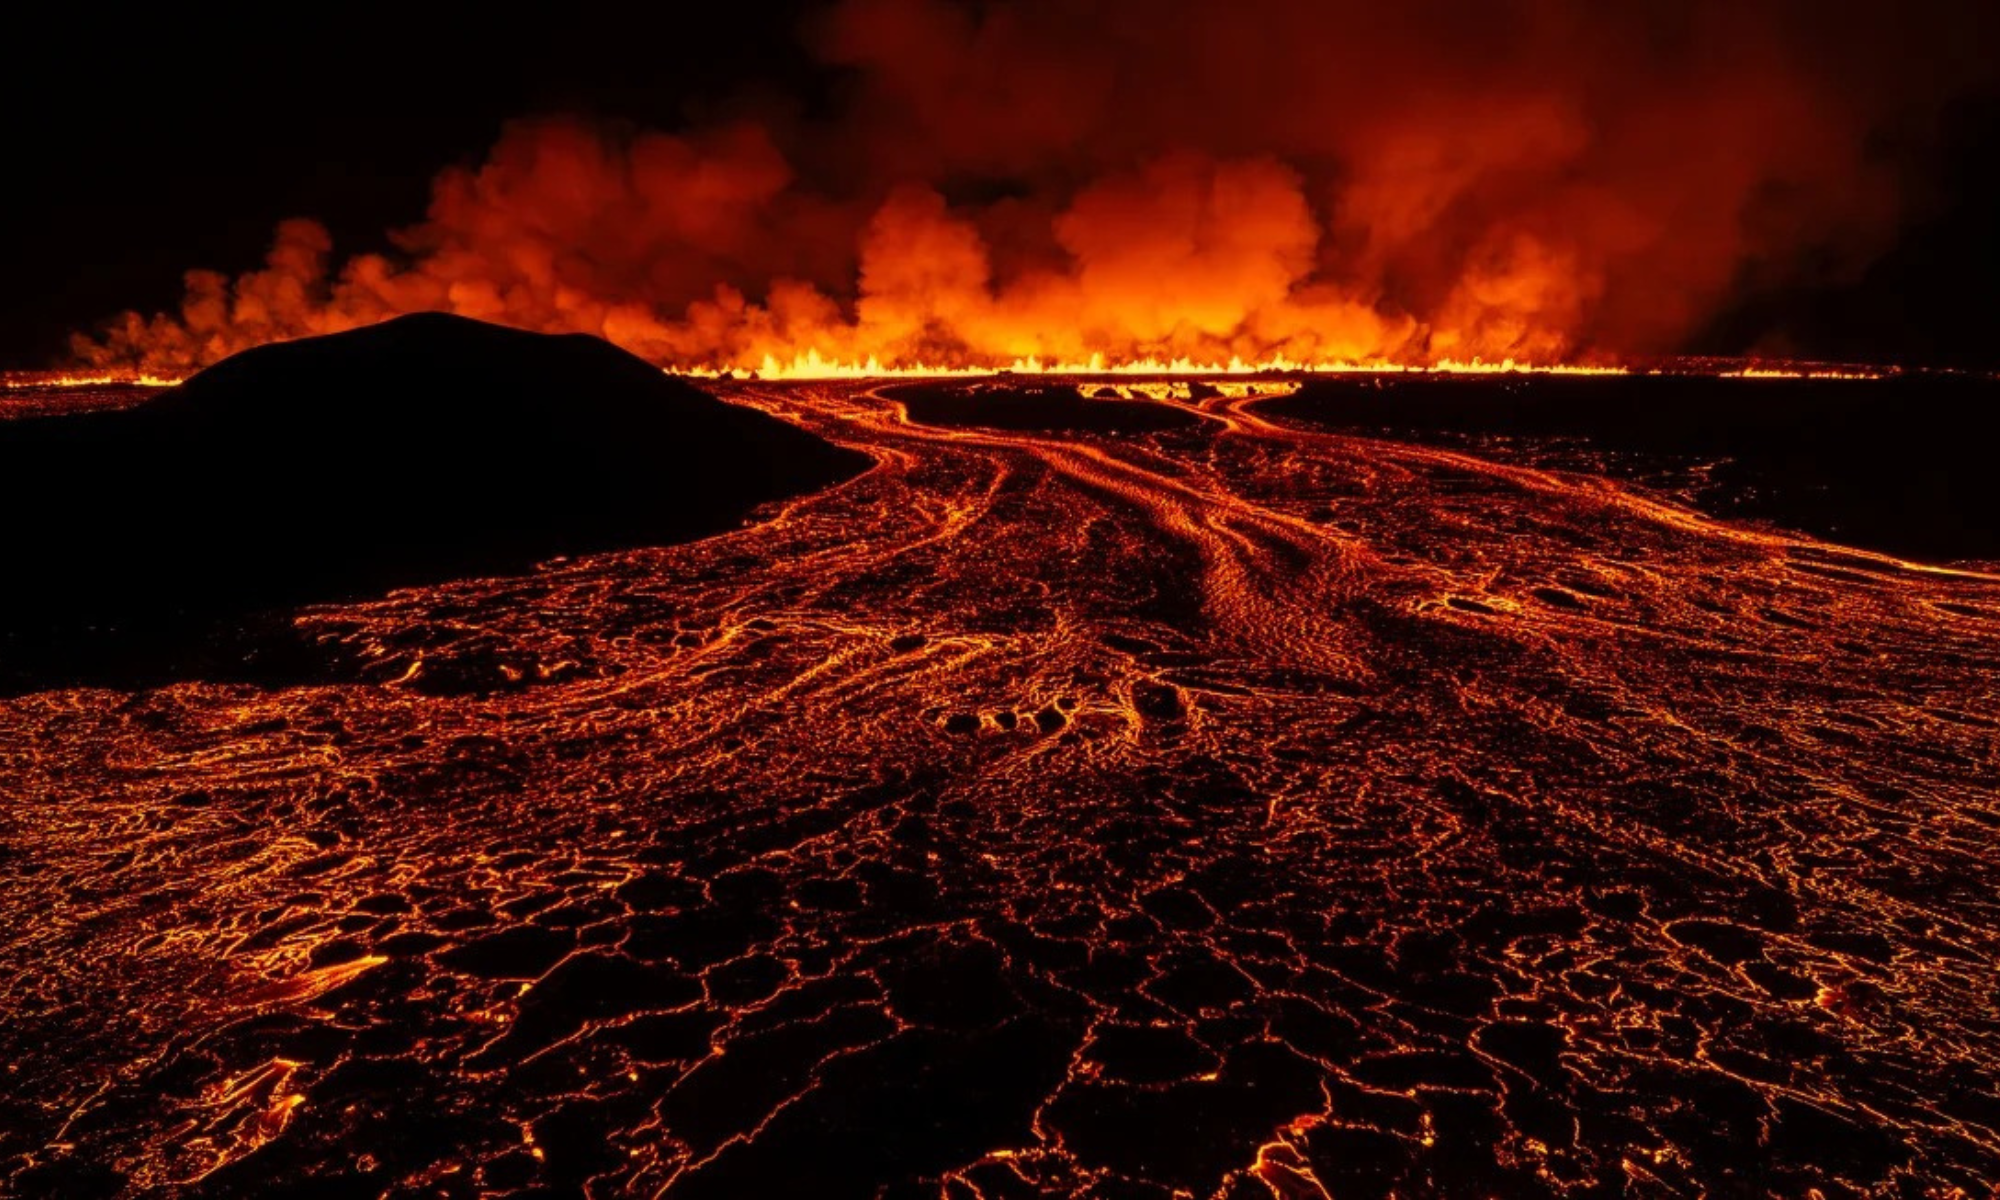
(1540, 180)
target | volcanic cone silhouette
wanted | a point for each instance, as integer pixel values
(421, 449)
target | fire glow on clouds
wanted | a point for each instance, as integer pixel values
(1211, 181)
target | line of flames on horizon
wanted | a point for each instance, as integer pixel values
(811, 365)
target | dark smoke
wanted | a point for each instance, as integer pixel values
(1542, 180)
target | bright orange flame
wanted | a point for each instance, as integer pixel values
(814, 365)
(1149, 186)
(811, 364)
(1755, 372)
(75, 379)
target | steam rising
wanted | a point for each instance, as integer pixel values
(1541, 180)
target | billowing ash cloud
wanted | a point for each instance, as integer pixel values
(1204, 179)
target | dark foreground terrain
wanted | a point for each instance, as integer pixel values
(141, 542)
(1225, 807)
(1903, 464)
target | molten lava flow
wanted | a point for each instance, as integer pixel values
(1224, 806)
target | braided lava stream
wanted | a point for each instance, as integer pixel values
(1217, 807)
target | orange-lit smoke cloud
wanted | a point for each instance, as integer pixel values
(1208, 179)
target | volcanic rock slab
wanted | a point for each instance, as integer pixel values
(421, 449)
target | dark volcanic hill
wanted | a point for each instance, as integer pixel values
(426, 448)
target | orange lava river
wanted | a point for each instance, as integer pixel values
(1229, 809)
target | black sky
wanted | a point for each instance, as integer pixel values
(147, 142)
(141, 144)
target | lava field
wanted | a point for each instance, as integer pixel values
(1155, 795)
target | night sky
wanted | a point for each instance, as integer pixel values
(168, 138)
(144, 145)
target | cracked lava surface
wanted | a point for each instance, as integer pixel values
(1212, 807)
